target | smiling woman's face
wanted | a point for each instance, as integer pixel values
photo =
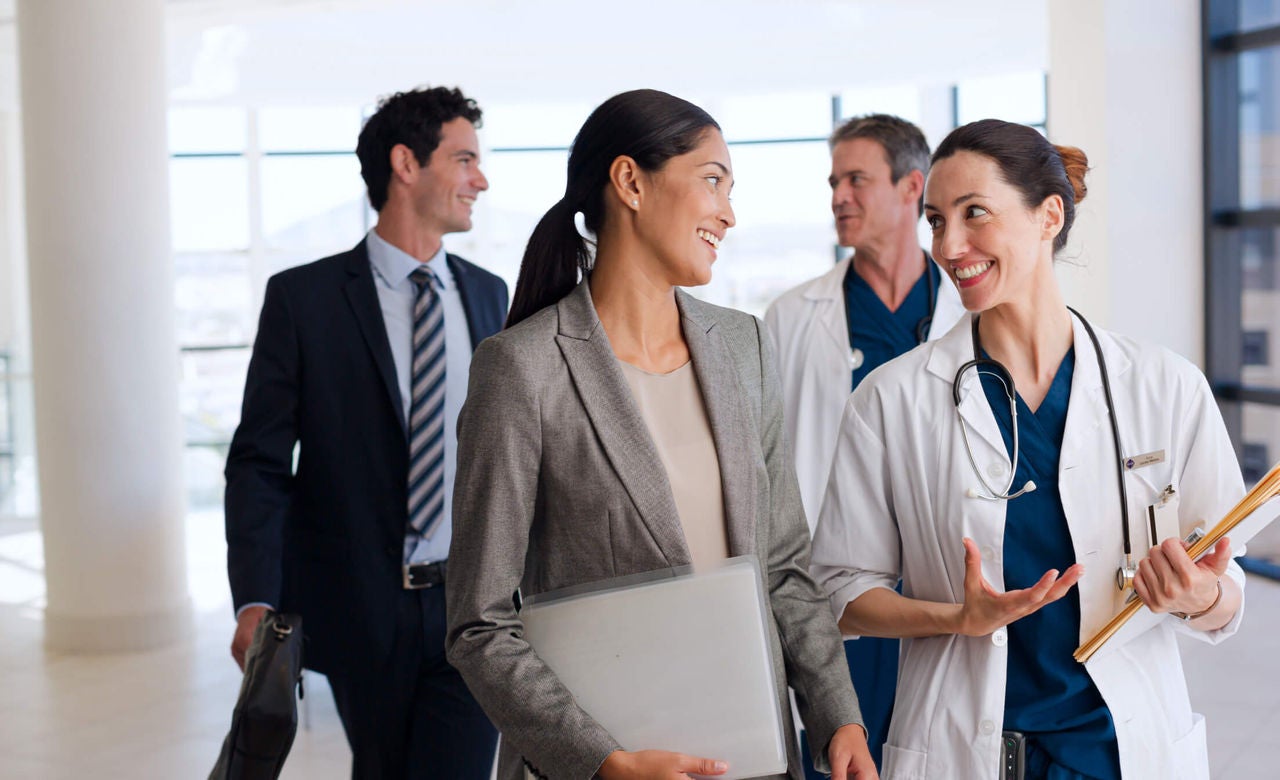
(983, 236)
(686, 212)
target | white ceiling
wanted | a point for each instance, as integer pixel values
(348, 52)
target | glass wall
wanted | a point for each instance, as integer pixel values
(252, 192)
(259, 190)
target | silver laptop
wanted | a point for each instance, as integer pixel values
(670, 660)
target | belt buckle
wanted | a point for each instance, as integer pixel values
(424, 569)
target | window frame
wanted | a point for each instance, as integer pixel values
(1225, 219)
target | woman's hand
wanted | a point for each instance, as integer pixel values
(849, 755)
(657, 765)
(984, 610)
(1169, 581)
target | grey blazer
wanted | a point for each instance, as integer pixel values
(559, 484)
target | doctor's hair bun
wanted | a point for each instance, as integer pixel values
(1076, 165)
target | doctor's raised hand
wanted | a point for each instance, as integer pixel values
(1001, 583)
(986, 609)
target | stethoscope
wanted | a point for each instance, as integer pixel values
(857, 357)
(1127, 570)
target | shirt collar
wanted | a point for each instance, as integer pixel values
(394, 265)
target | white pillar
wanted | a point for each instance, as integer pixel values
(104, 352)
(1124, 86)
(12, 281)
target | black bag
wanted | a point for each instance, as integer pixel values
(265, 719)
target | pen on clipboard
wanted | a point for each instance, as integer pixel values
(1196, 535)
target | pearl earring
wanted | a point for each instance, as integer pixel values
(635, 203)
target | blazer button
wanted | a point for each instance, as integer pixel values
(392, 550)
(1000, 637)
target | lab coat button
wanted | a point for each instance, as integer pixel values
(996, 469)
(1000, 637)
(988, 554)
(987, 727)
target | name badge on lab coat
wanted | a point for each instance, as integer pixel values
(1145, 459)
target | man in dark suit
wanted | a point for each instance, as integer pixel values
(339, 479)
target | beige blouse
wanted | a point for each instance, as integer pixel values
(673, 410)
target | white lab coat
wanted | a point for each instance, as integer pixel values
(896, 504)
(810, 330)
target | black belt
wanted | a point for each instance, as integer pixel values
(424, 575)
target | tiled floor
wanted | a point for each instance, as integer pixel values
(160, 714)
(163, 714)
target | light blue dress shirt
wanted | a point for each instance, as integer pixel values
(396, 296)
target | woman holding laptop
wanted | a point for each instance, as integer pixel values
(619, 426)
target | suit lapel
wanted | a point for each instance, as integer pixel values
(617, 421)
(731, 424)
(363, 298)
(483, 319)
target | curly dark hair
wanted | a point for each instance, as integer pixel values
(411, 118)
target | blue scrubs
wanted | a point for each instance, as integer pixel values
(882, 335)
(1049, 697)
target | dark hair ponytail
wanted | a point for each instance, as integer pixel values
(556, 252)
(1027, 162)
(649, 126)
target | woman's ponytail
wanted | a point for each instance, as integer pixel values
(646, 125)
(552, 259)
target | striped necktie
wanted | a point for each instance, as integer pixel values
(426, 410)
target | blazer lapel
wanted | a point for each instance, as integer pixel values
(731, 425)
(364, 304)
(617, 421)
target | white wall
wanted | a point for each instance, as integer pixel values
(1124, 86)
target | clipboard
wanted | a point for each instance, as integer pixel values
(1258, 509)
(670, 660)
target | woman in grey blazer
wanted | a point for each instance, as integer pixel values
(567, 475)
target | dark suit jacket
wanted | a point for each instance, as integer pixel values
(327, 539)
(559, 484)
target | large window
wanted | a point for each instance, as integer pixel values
(1242, 222)
(252, 192)
(255, 191)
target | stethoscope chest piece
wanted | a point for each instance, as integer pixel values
(856, 359)
(1126, 573)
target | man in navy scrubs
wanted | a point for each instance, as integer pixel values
(833, 330)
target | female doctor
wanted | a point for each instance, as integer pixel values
(992, 488)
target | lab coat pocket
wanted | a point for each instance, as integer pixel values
(904, 764)
(1190, 754)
